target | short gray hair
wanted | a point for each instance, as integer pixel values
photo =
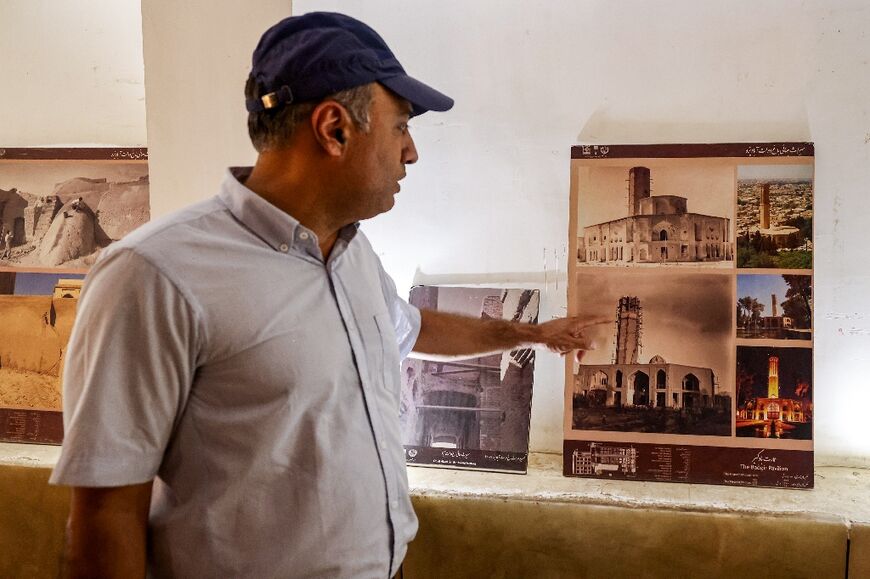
(273, 128)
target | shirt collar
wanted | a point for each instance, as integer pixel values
(277, 228)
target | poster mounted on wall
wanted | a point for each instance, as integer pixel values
(470, 413)
(691, 268)
(59, 208)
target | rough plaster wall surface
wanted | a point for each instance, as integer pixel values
(859, 551)
(488, 201)
(32, 522)
(72, 73)
(561, 540)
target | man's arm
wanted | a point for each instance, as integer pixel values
(453, 335)
(106, 532)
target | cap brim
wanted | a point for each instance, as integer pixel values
(421, 96)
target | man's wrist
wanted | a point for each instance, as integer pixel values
(525, 333)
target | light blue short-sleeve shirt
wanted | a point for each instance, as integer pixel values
(215, 351)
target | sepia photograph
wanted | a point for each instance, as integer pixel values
(775, 392)
(660, 360)
(652, 215)
(60, 213)
(774, 307)
(470, 412)
(37, 311)
(775, 216)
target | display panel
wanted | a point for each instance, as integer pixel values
(470, 413)
(58, 209)
(692, 273)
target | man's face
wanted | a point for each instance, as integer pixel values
(377, 159)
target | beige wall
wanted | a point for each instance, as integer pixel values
(32, 521)
(471, 538)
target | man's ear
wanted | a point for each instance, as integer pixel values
(330, 123)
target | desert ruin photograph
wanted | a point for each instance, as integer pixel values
(37, 311)
(60, 213)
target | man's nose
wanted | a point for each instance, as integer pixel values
(409, 153)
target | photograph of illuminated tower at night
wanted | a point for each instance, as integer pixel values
(774, 393)
(682, 388)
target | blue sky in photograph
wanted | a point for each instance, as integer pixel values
(40, 284)
(761, 287)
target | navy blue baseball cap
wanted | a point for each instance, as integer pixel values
(308, 57)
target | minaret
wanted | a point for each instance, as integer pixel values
(764, 209)
(773, 377)
(773, 305)
(638, 188)
(628, 324)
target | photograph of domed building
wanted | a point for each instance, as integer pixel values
(689, 358)
(656, 219)
(59, 213)
(681, 386)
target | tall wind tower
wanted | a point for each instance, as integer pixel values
(773, 377)
(629, 321)
(764, 208)
(638, 188)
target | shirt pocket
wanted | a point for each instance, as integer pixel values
(388, 348)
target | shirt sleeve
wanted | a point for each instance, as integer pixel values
(405, 317)
(127, 375)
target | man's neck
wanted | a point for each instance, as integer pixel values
(301, 194)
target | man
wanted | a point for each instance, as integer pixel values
(231, 385)
(7, 241)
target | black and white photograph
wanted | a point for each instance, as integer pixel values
(660, 360)
(775, 216)
(652, 214)
(470, 412)
(59, 213)
(774, 307)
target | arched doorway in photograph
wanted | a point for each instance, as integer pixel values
(640, 381)
(449, 420)
(691, 391)
(661, 380)
(598, 388)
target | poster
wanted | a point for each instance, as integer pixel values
(58, 209)
(691, 268)
(470, 413)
